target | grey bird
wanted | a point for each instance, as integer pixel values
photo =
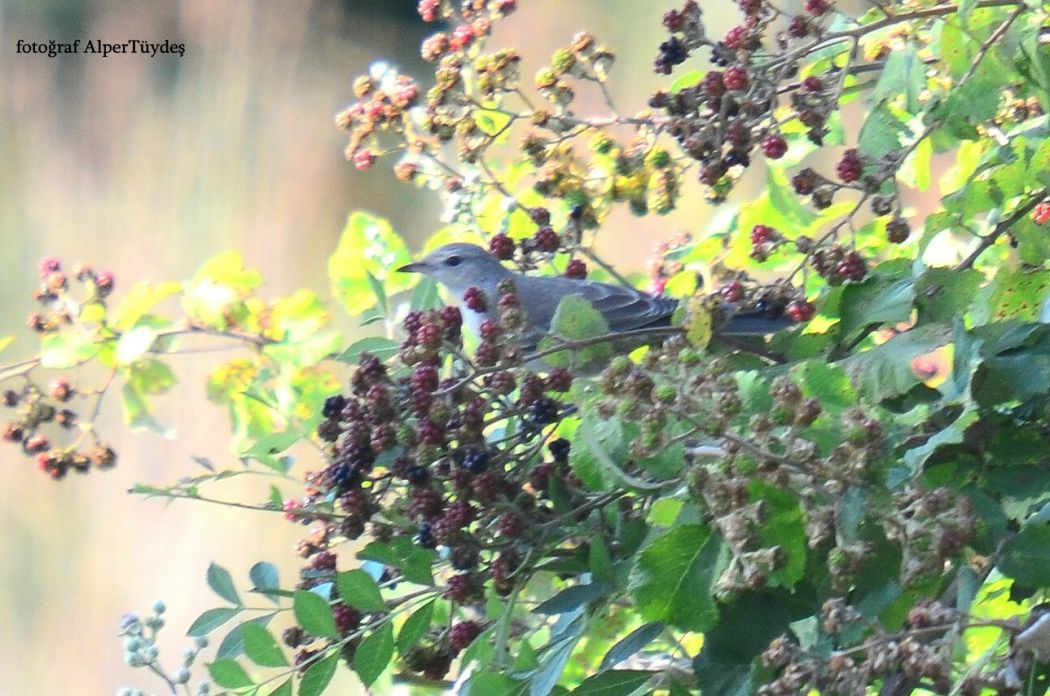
(460, 266)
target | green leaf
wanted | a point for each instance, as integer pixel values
(630, 644)
(221, 583)
(314, 614)
(425, 295)
(885, 371)
(141, 299)
(374, 654)
(490, 121)
(414, 628)
(904, 73)
(233, 644)
(672, 579)
(881, 132)
(134, 344)
(555, 655)
(688, 79)
(414, 562)
(211, 619)
(613, 683)
(1018, 294)
(368, 245)
(379, 346)
(942, 294)
(576, 319)
(265, 578)
(359, 590)
(784, 527)
(67, 349)
(572, 598)
(318, 675)
(261, 647)
(826, 382)
(1024, 556)
(152, 377)
(951, 434)
(137, 412)
(876, 300)
(494, 684)
(228, 674)
(285, 689)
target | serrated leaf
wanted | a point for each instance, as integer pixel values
(285, 689)
(414, 628)
(211, 619)
(232, 644)
(672, 579)
(613, 683)
(318, 675)
(783, 527)
(904, 73)
(228, 674)
(265, 577)
(314, 614)
(885, 371)
(380, 347)
(359, 590)
(1024, 556)
(575, 319)
(374, 654)
(261, 647)
(572, 598)
(220, 581)
(631, 644)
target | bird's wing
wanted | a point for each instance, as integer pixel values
(624, 309)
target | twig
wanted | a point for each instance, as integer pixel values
(989, 239)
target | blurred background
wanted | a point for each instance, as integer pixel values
(147, 167)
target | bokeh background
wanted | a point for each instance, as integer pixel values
(147, 167)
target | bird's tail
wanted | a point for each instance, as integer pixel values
(754, 323)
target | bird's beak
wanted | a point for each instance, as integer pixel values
(416, 267)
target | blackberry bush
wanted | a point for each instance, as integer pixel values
(853, 505)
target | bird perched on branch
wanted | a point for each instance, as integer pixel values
(461, 266)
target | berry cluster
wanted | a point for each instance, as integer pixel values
(415, 439)
(44, 413)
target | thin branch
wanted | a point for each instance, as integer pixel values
(989, 239)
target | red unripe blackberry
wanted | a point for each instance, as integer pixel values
(540, 216)
(800, 310)
(463, 634)
(576, 269)
(673, 20)
(428, 9)
(853, 267)
(559, 380)
(463, 588)
(460, 514)
(510, 525)
(501, 246)
(539, 476)
(736, 79)
(508, 300)
(425, 378)
(462, 37)
(305, 658)
(47, 266)
(405, 93)
(750, 7)
(489, 330)
(760, 234)
(714, 85)
(293, 636)
(104, 282)
(346, 618)
(486, 355)
(850, 167)
(429, 335)
(412, 322)
(804, 182)
(60, 390)
(364, 159)
(813, 84)
(291, 509)
(501, 382)
(734, 38)
(474, 298)
(430, 433)
(325, 560)
(774, 146)
(732, 291)
(817, 7)
(798, 27)
(1041, 214)
(546, 239)
(36, 444)
(451, 317)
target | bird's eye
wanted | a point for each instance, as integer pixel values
(453, 261)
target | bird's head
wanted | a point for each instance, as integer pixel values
(459, 266)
